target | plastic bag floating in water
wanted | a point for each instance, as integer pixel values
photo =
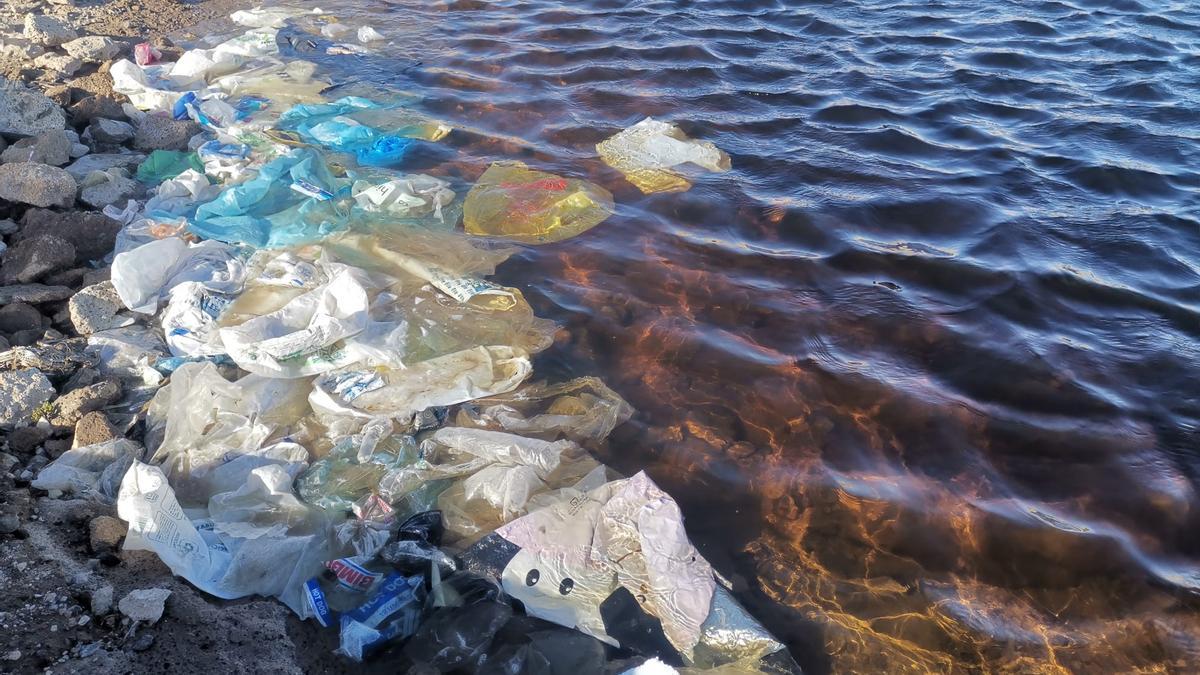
(513, 201)
(648, 151)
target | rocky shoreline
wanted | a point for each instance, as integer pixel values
(75, 602)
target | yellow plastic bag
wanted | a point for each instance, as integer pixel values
(513, 201)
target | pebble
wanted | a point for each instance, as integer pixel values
(144, 604)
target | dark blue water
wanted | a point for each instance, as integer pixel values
(923, 369)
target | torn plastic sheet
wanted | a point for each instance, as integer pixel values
(405, 196)
(648, 151)
(360, 126)
(221, 565)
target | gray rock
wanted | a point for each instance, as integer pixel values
(47, 30)
(92, 49)
(37, 184)
(21, 392)
(102, 600)
(33, 293)
(35, 257)
(25, 440)
(19, 316)
(79, 150)
(50, 147)
(102, 188)
(112, 132)
(105, 533)
(94, 308)
(27, 112)
(25, 338)
(163, 133)
(97, 275)
(88, 109)
(146, 604)
(73, 405)
(104, 161)
(7, 227)
(9, 523)
(93, 234)
(58, 63)
(93, 428)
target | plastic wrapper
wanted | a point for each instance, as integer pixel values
(144, 91)
(401, 393)
(216, 563)
(293, 200)
(305, 336)
(163, 165)
(513, 201)
(189, 320)
(456, 638)
(128, 354)
(584, 410)
(392, 613)
(147, 273)
(145, 55)
(648, 152)
(264, 506)
(90, 471)
(226, 162)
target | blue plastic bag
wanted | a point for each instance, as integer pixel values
(376, 135)
(293, 200)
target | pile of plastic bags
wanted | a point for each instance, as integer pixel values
(339, 408)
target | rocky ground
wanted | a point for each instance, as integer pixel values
(72, 600)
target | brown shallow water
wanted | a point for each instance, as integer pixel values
(922, 368)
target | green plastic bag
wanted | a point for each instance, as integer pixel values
(166, 164)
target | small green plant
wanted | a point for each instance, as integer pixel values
(46, 409)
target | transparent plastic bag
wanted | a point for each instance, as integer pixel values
(513, 201)
(346, 475)
(648, 151)
(90, 471)
(584, 410)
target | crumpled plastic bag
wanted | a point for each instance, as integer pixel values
(272, 17)
(353, 468)
(226, 162)
(264, 506)
(648, 151)
(189, 320)
(180, 195)
(407, 196)
(584, 410)
(485, 478)
(144, 275)
(216, 563)
(196, 66)
(293, 200)
(400, 393)
(90, 471)
(145, 92)
(302, 338)
(513, 201)
(128, 353)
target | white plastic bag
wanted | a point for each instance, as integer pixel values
(189, 320)
(648, 151)
(264, 506)
(301, 338)
(129, 79)
(179, 195)
(408, 196)
(147, 273)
